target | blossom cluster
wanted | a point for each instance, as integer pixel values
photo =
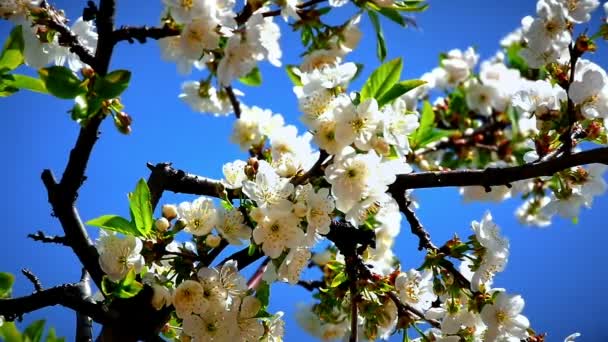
(40, 46)
(536, 99)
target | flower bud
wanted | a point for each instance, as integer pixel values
(213, 240)
(162, 224)
(169, 211)
(122, 121)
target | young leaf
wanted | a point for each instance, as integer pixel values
(397, 90)
(253, 78)
(6, 284)
(113, 84)
(34, 331)
(295, 78)
(12, 53)
(339, 279)
(141, 208)
(9, 333)
(114, 223)
(382, 79)
(427, 123)
(25, 82)
(52, 336)
(263, 294)
(380, 43)
(61, 82)
(393, 15)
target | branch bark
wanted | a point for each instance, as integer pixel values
(67, 295)
(142, 33)
(496, 176)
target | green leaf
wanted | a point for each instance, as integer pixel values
(253, 78)
(393, 15)
(113, 84)
(12, 53)
(339, 279)
(6, 284)
(380, 43)
(293, 76)
(10, 333)
(262, 293)
(397, 90)
(436, 135)
(114, 223)
(24, 82)
(382, 79)
(52, 336)
(427, 123)
(62, 82)
(34, 331)
(141, 208)
(513, 118)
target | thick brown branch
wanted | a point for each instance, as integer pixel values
(243, 258)
(168, 178)
(42, 237)
(142, 33)
(497, 176)
(75, 232)
(68, 295)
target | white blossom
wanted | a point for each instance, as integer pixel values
(254, 124)
(234, 174)
(415, 289)
(579, 11)
(189, 298)
(200, 216)
(504, 319)
(277, 232)
(269, 189)
(591, 93)
(357, 124)
(231, 225)
(293, 265)
(119, 255)
(204, 98)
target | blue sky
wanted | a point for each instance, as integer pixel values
(560, 271)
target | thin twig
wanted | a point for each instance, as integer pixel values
(33, 279)
(403, 307)
(42, 237)
(236, 105)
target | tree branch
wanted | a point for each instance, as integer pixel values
(166, 177)
(496, 176)
(415, 225)
(67, 295)
(55, 21)
(236, 105)
(243, 258)
(42, 237)
(33, 279)
(402, 308)
(142, 33)
(84, 323)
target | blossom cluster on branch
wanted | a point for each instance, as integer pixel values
(331, 197)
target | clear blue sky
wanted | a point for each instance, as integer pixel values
(561, 271)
